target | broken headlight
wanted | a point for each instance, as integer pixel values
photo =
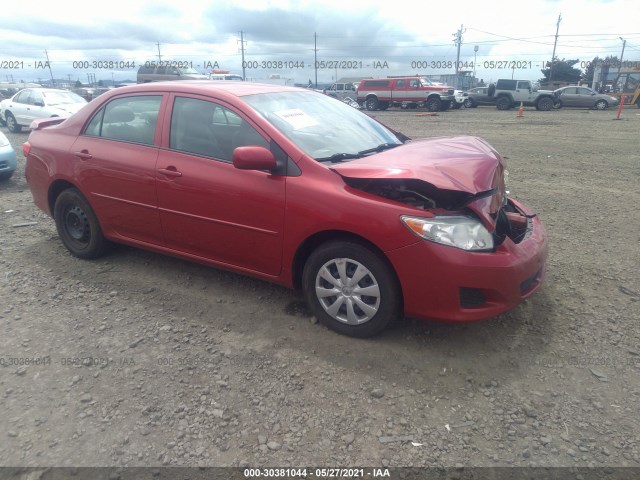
(466, 233)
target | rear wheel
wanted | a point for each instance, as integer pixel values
(433, 104)
(371, 103)
(503, 103)
(351, 289)
(78, 226)
(12, 125)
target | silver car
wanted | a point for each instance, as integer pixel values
(584, 97)
(8, 160)
(31, 103)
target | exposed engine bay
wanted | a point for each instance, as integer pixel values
(510, 221)
(416, 193)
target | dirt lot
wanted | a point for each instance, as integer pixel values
(150, 360)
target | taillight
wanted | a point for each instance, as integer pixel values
(26, 148)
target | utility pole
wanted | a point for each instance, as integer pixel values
(458, 42)
(159, 56)
(244, 76)
(553, 55)
(624, 44)
(53, 82)
(315, 55)
(475, 60)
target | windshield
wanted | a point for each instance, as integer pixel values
(426, 83)
(321, 126)
(62, 98)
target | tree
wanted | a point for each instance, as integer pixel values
(78, 84)
(587, 76)
(563, 71)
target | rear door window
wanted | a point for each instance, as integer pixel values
(129, 119)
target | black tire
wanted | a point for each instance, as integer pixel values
(6, 176)
(503, 103)
(491, 91)
(383, 105)
(456, 106)
(601, 105)
(468, 103)
(433, 104)
(371, 103)
(369, 314)
(545, 104)
(78, 226)
(12, 125)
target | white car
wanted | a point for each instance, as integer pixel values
(460, 98)
(31, 103)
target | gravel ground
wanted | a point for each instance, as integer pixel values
(151, 361)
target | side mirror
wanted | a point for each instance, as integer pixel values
(253, 158)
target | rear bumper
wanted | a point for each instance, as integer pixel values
(452, 285)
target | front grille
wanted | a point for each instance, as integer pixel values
(472, 297)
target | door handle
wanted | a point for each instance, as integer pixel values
(83, 155)
(170, 172)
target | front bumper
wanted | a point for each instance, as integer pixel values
(453, 285)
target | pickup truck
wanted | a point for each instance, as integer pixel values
(381, 93)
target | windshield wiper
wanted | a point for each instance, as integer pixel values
(339, 157)
(379, 148)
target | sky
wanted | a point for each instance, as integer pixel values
(349, 38)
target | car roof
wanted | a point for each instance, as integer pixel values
(205, 87)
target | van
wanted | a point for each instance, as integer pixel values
(153, 72)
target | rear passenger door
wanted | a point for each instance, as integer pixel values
(209, 209)
(116, 160)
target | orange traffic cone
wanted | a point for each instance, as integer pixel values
(520, 113)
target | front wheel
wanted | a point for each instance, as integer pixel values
(351, 289)
(545, 104)
(12, 125)
(601, 105)
(468, 103)
(78, 226)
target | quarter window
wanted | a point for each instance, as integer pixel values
(129, 119)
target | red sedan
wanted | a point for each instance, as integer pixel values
(293, 187)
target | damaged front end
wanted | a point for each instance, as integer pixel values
(455, 212)
(459, 181)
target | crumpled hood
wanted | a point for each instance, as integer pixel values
(465, 164)
(462, 164)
